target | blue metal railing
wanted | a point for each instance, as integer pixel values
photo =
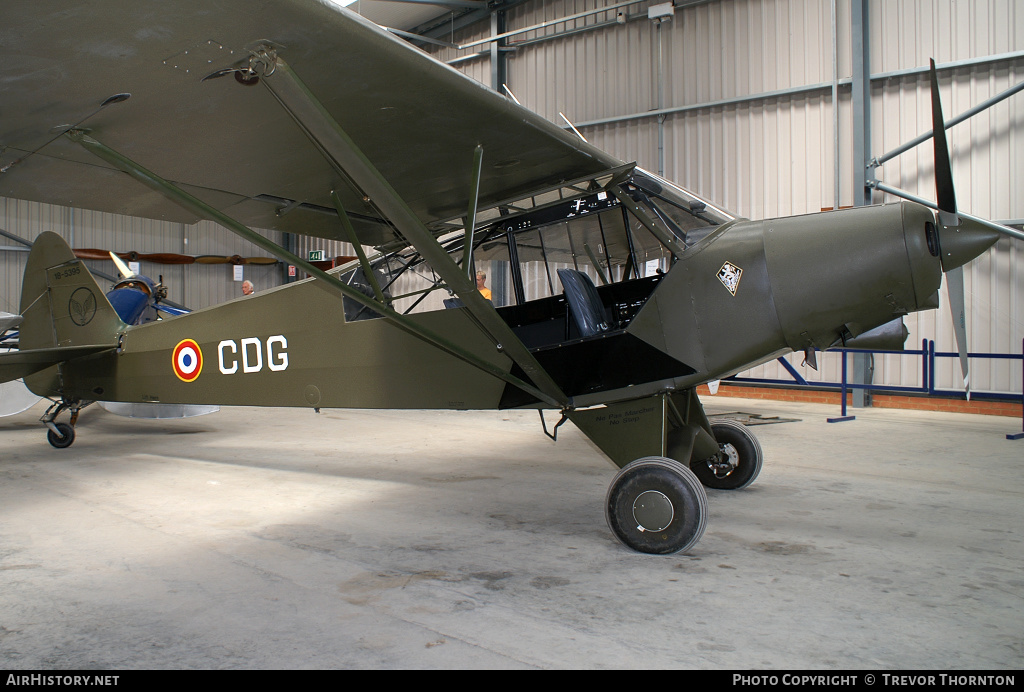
(928, 355)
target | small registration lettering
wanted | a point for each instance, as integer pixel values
(65, 273)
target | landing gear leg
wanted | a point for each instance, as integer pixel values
(666, 449)
(61, 435)
(725, 455)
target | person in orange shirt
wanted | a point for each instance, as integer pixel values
(481, 285)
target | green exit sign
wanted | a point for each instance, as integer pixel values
(316, 255)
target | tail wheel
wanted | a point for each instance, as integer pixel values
(738, 461)
(66, 437)
(656, 505)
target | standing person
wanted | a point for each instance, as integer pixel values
(247, 288)
(481, 285)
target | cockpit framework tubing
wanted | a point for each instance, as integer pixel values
(650, 202)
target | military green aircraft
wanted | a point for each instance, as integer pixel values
(613, 293)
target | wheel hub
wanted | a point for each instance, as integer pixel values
(652, 511)
(725, 462)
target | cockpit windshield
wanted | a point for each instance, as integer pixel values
(683, 208)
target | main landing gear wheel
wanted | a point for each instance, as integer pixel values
(64, 439)
(656, 505)
(61, 435)
(738, 461)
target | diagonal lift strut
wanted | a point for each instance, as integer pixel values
(203, 210)
(345, 156)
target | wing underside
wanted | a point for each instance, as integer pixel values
(233, 146)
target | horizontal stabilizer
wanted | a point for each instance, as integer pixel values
(18, 364)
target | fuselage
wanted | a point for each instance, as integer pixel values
(746, 292)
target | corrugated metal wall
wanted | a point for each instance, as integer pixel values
(194, 286)
(762, 155)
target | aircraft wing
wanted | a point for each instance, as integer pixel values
(9, 321)
(233, 146)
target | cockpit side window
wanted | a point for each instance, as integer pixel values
(594, 244)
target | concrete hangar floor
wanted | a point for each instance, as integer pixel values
(271, 538)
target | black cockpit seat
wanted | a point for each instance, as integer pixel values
(584, 302)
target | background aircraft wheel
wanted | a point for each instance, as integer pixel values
(68, 433)
(656, 505)
(738, 461)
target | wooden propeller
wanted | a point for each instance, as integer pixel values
(171, 258)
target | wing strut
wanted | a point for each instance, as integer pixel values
(350, 232)
(203, 210)
(467, 245)
(342, 153)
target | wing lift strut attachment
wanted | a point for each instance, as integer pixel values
(343, 154)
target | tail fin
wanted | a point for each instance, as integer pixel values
(61, 302)
(66, 315)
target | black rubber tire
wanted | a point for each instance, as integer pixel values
(733, 439)
(68, 433)
(681, 511)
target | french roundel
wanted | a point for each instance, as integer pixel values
(187, 360)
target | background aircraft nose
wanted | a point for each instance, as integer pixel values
(960, 244)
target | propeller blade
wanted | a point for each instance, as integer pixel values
(957, 248)
(946, 195)
(955, 289)
(172, 257)
(234, 259)
(92, 254)
(168, 258)
(121, 266)
(157, 257)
